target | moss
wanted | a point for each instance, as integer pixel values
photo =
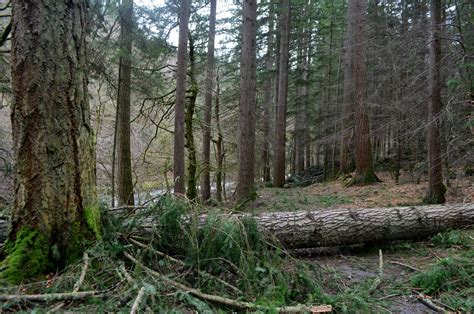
(92, 217)
(368, 178)
(28, 256)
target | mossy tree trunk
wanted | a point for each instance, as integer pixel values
(55, 210)
(191, 192)
(219, 142)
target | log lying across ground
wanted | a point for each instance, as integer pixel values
(339, 227)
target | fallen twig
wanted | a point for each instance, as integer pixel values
(52, 296)
(181, 263)
(426, 301)
(79, 282)
(404, 265)
(227, 301)
(379, 278)
(138, 300)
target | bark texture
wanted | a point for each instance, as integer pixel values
(55, 203)
(206, 129)
(436, 188)
(178, 156)
(219, 142)
(248, 73)
(279, 164)
(353, 226)
(124, 158)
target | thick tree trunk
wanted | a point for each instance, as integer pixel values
(372, 225)
(55, 203)
(279, 166)
(436, 188)
(206, 129)
(339, 227)
(191, 192)
(124, 160)
(248, 73)
(365, 173)
(178, 155)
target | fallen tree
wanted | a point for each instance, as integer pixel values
(338, 227)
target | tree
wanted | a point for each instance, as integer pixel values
(206, 129)
(178, 168)
(248, 72)
(55, 207)
(436, 188)
(124, 161)
(365, 172)
(280, 123)
(269, 103)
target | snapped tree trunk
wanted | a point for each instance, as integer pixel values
(55, 207)
(124, 160)
(436, 188)
(178, 154)
(206, 129)
(248, 73)
(279, 163)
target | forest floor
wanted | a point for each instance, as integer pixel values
(350, 270)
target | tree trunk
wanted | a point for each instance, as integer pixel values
(372, 225)
(347, 119)
(268, 100)
(55, 207)
(124, 161)
(220, 184)
(248, 72)
(191, 192)
(339, 227)
(206, 129)
(178, 156)
(436, 188)
(280, 123)
(365, 173)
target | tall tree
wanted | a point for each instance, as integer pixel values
(248, 73)
(55, 203)
(280, 123)
(206, 130)
(348, 92)
(436, 188)
(364, 173)
(124, 161)
(178, 157)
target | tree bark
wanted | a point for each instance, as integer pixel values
(55, 205)
(178, 156)
(436, 188)
(280, 123)
(220, 183)
(206, 129)
(124, 161)
(248, 73)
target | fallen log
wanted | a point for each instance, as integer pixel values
(340, 227)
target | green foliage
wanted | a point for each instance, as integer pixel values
(27, 257)
(92, 217)
(451, 273)
(450, 238)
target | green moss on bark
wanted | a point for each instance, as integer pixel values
(27, 257)
(92, 217)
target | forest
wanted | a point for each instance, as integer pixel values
(294, 156)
